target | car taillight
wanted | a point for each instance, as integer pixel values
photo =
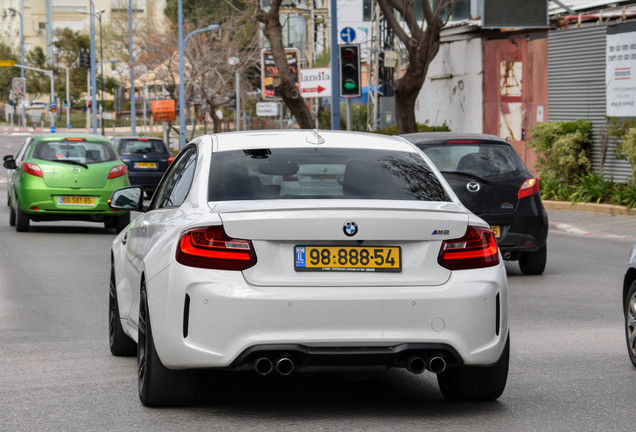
(117, 171)
(529, 187)
(33, 169)
(211, 248)
(170, 159)
(477, 249)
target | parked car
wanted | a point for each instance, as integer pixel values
(491, 180)
(283, 251)
(65, 177)
(146, 158)
(629, 305)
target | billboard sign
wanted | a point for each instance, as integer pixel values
(269, 71)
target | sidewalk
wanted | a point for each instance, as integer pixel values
(592, 220)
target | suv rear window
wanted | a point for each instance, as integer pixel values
(322, 173)
(485, 160)
(134, 146)
(83, 151)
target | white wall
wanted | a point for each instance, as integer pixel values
(453, 90)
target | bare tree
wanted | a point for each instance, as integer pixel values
(284, 84)
(421, 44)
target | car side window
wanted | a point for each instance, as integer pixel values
(24, 150)
(175, 185)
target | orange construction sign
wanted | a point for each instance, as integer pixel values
(163, 110)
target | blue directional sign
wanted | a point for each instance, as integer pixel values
(348, 34)
(53, 129)
(53, 104)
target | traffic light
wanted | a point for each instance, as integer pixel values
(232, 101)
(84, 59)
(349, 70)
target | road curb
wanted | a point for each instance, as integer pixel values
(589, 207)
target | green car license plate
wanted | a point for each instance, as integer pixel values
(348, 258)
(76, 200)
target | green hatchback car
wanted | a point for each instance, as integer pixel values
(65, 177)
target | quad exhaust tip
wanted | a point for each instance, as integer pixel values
(263, 366)
(417, 365)
(285, 366)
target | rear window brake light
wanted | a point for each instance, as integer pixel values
(74, 139)
(463, 141)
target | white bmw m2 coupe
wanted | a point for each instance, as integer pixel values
(287, 251)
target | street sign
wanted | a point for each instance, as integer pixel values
(7, 63)
(53, 129)
(270, 71)
(347, 34)
(315, 82)
(53, 104)
(163, 110)
(266, 109)
(19, 87)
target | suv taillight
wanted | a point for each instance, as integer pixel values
(477, 249)
(529, 187)
(211, 248)
(33, 169)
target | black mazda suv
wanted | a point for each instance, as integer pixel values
(491, 180)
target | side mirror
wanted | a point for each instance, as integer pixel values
(9, 162)
(129, 198)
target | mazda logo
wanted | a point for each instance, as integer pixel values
(473, 187)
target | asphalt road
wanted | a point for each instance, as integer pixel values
(569, 368)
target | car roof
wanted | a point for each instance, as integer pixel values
(136, 137)
(423, 137)
(61, 136)
(308, 138)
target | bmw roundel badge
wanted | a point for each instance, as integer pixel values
(350, 228)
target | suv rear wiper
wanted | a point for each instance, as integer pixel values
(465, 174)
(71, 162)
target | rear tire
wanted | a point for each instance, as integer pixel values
(11, 216)
(476, 383)
(630, 322)
(121, 345)
(22, 222)
(158, 385)
(533, 263)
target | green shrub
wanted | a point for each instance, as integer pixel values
(624, 194)
(554, 190)
(627, 149)
(562, 150)
(592, 187)
(392, 130)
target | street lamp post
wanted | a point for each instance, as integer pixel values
(182, 42)
(13, 12)
(101, 108)
(98, 15)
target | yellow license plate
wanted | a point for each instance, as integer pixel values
(496, 229)
(145, 164)
(348, 258)
(76, 200)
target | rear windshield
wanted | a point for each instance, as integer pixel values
(136, 146)
(86, 152)
(484, 160)
(322, 173)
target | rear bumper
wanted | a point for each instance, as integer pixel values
(525, 230)
(144, 179)
(41, 202)
(214, 319)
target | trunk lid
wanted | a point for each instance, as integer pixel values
(277, 228)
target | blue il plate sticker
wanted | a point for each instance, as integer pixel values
(300, 256)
